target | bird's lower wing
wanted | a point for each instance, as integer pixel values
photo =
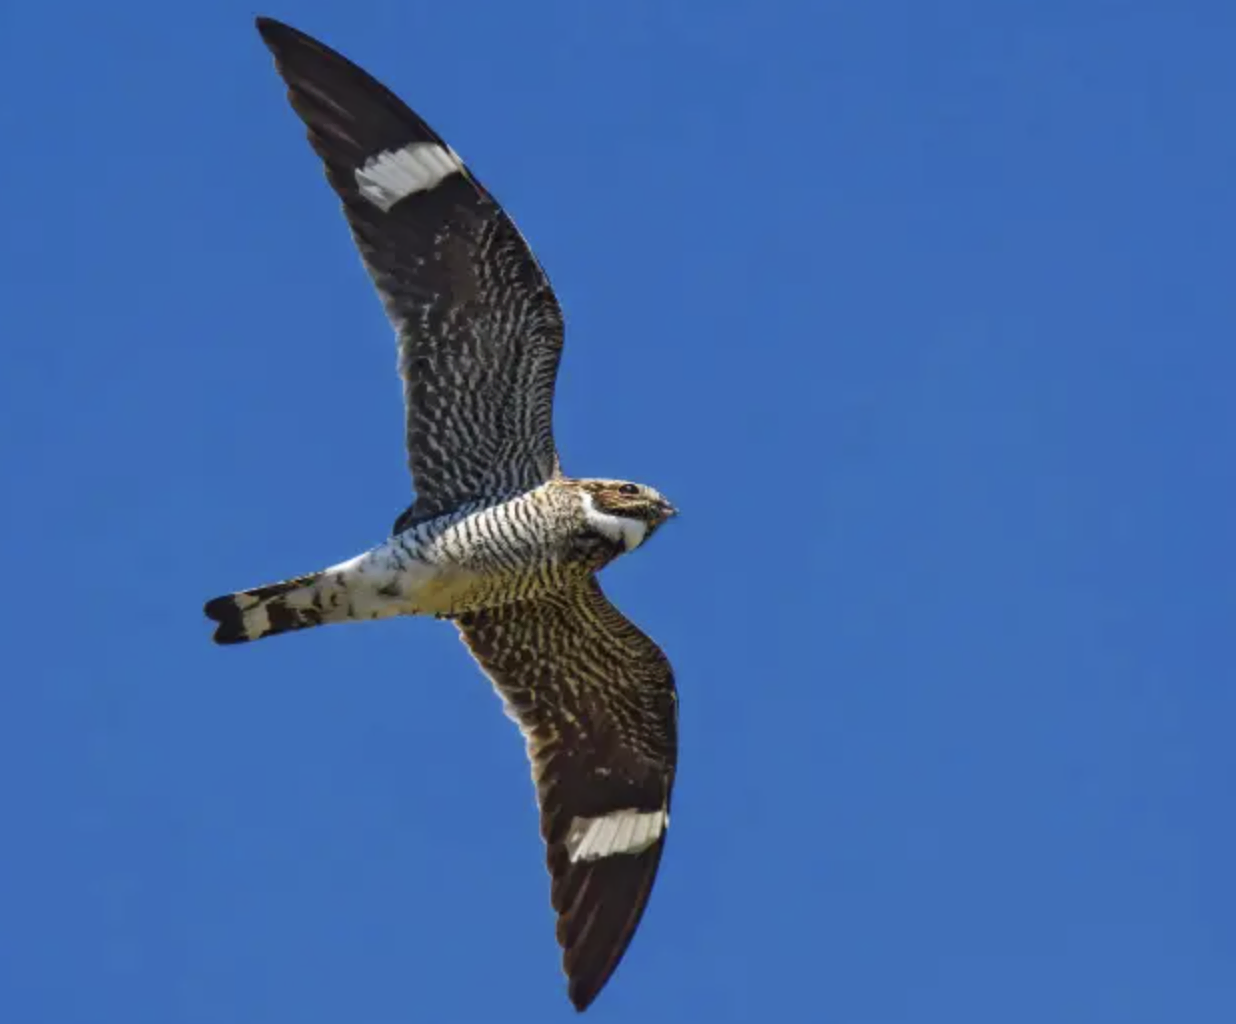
(596, 701)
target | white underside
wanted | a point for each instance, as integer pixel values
(381, 582)
(396, 174)
(625, 831)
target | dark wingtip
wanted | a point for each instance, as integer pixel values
(599, 906)
(580, 998)
(224, 611)
(269, 27)
(280, 36)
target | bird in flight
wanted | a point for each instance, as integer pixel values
(498, 540)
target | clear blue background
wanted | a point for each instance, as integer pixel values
(923, 312)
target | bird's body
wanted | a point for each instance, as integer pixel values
(499, 540)
(479, 556)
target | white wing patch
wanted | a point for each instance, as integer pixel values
(395, 174)
(626, 831)
(630, 531)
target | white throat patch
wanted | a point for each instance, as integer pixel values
(417, 167)
(631, 532)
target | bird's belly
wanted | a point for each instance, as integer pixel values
(393, 579)
(446, 590)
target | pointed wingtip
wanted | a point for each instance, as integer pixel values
(267, 26)
(580, 998)
(600, 904)
(276, 34)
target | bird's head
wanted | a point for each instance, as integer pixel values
(623, 511)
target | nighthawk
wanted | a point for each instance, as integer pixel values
(498, 540)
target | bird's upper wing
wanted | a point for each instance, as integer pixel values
(480, 332)
(596, 701)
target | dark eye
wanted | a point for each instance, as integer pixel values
(628, 489)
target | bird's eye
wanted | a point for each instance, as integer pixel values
(628, 489)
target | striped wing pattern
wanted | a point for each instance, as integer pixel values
(480, 332)
(596, 701)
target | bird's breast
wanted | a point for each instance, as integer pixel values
(495, 554)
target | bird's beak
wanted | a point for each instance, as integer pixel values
(667, 511)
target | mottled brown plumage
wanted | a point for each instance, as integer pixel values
(596, 702)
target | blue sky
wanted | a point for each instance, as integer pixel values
(923, 313)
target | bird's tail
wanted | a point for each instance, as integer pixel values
(299, 603)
